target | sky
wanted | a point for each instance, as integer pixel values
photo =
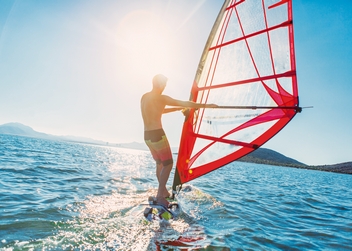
(79, 67)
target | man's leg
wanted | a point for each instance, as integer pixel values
(159, 167)
(163, 178)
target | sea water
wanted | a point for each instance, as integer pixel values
(68, 196)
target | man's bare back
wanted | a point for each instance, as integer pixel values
(152, 107)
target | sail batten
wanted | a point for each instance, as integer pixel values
(246, 81)
(248, 69)
(224, 140)
(284, 24)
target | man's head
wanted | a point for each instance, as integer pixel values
(159, 82)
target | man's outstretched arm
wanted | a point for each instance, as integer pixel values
(186, 104)
(173, 109)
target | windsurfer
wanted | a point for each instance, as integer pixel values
(153, 105)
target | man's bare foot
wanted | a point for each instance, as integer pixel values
(166, 193)
(162, 201)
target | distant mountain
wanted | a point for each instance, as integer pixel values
(270, 157)
(259, 156)
(336, 168)
(23, 130)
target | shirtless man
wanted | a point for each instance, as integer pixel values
(153, 106)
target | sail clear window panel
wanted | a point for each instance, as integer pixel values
(213, 153)
(229, 119)
(260, 50)
(287, 84)
(250, 94)
(220, 124)
(251, 16)
(224, 121)
(229, 70)
(233, 30)
(280, 50)
(249, 134)
(277, 15)
(219, 150)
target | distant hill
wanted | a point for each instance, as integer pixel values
(270, 157)
(23, 130)
(259, 156)
(336, 168)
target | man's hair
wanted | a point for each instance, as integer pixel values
(159, 81)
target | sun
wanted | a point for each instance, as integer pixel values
(146, 42)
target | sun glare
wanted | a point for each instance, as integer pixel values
(145, 42)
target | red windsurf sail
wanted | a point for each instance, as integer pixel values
(248, 69)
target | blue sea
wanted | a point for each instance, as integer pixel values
(67, 196)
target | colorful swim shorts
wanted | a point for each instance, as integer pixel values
(159, 146)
